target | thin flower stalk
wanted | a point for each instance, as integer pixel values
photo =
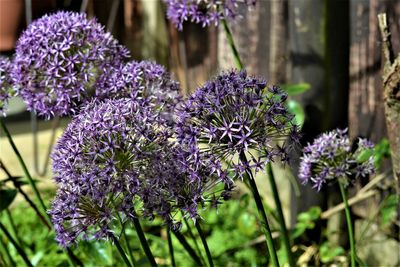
(260, 207)
(17, 185)
(353, 254)
(281, 218)
(23, 165)
(143, 242)
(171, 248)
(181, 238)
(205, 245)
(21, 252)
(121, 250)
(232, 45)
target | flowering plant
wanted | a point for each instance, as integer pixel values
(331, 157)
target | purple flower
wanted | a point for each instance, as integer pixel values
(143, 81)
(177, 183)
(204, 12)
(6, 84)
(118, 157)
(234, 115)
(330, 157)
(97, 164)
(59, 59)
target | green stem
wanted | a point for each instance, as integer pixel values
(265, 226)
(349, 226)
(10, 259)
(193, 239)
(26, 197)
(181, 238)
(143, 242)
(232, 45)
(281, 218)
(21, 161)
(171, 248)
(74, 259)
(204, 241)
(128, 246)
(17, 247)
(13, 227)
(121, 250)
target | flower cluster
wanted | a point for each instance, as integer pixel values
(331, 157)
(117, 156)
(205, 12)
(143, 81)
(58, 60)
(6, 84)
(176, 182)
(237, 115)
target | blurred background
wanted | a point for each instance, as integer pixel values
(334, 46)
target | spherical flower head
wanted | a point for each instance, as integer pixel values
(6, 83)
(331, 158)
(235, 115)
(143, 81)
(204, 12)
(96, 164)
(59, 59)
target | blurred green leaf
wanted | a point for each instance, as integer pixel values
(329, 253)
(364, 155)
(389, 209)
(297, 110)
(381, 150)
(246, 224)
(6, 198)
(306, 220)
(296, 89)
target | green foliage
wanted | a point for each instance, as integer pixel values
(6, 198)
(306, 220)
(328, 253)
(296, 109)
(296, 89)
(381, 150)
(388, 211)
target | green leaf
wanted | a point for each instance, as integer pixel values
(297, 110)
(328, 253)
(296, 89)
(364, 155)
(246, 224)
(6, 198)
(306, 220)
(389, 209)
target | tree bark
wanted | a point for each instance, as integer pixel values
(391, 94)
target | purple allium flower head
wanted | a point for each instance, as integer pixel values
(143, 81)
(331, 157)
(237, 114)
(59, 59)
(6, 83)
(120, 153)
(97, 163)
(205, 12)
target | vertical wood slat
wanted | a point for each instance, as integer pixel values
(366, 110)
